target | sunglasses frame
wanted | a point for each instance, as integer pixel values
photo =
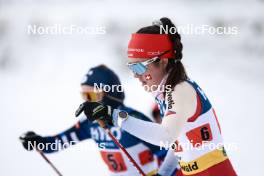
(146, 63)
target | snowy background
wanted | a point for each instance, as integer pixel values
(40, 74)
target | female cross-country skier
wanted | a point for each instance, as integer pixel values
(188, 118)
(146, 155)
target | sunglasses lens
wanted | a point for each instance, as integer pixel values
(89, 96)
(138, 68)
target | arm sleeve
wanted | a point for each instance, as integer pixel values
(156, 150)
(169, 166)
(172, 124)
(80, 131)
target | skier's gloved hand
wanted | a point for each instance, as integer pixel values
(96, 111)
(29, 140)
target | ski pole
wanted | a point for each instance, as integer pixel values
(107, 130)
(49, 162)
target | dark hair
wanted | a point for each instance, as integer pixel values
(175, 68)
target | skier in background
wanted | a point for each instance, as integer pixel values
(146, 155)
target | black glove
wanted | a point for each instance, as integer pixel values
(96, 111)
(29, 140)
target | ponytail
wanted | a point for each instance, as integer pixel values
(175, 69)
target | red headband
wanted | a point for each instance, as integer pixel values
(149, 46)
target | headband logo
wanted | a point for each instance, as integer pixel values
(154, 53)
(140, 50)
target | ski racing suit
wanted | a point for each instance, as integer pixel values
(188, 120)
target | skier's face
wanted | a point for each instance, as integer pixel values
(152, 77)
(89, 94)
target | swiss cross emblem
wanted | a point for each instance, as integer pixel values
(148, 77)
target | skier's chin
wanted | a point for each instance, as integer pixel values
(143, 83)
